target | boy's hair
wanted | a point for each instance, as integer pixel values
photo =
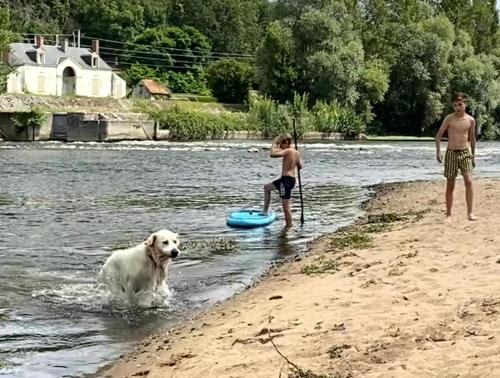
(285, 138)
(459, 96)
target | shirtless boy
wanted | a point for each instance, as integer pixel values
(461, 129)
(282, 147)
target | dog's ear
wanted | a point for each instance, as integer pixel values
(153, 253)
(151, 240)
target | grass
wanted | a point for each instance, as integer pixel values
(308, 374)
(418, 214)
(336, 350)
(322, 266)
(353, 240)
(376, 227)
(386, 218)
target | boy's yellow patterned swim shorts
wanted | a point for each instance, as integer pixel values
(455, 160)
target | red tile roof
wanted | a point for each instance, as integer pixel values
(155, 88)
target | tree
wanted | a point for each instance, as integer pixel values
(420, 76)
(479, 77)
(119, 20)
(230, 80)
(6, 37)
(481, 22)
(234, 26)
(26, 17)
(169, 47)
(177, 55)
(329, 54)
(276, 70)
(137, 72)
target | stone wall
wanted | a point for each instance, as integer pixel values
(81, 127)
(10, 132)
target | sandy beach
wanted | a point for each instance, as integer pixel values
(399, 294)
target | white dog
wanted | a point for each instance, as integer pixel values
(139, 274)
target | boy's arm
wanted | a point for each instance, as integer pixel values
(439, 135)
(276, 151)
(472, 139)
(299, 161)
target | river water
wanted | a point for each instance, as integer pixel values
(65, 207)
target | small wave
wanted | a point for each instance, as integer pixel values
(97, 298)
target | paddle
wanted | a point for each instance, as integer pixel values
(298, 176)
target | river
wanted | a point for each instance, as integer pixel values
(65, 207)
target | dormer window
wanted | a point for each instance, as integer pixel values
(95, 61)
(40, 57)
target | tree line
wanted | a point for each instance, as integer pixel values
(393, 63)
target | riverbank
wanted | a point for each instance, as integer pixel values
(399, 294)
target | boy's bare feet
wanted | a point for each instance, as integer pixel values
(447, 219)
(472, 217)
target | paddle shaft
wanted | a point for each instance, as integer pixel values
(298, 176)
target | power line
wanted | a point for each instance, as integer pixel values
(128, 52)
(155, 59)
(154, 65)
(44, 35)
(167, 48)
(214, 54)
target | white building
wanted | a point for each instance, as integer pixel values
(61, 70)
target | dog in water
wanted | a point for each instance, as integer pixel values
(140, 273)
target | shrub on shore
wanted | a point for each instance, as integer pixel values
(264, 115)
(34, 118)
(190, 125)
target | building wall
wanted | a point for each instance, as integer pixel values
(141, 92)
(119, 87)
(15, 81)
(49, 81)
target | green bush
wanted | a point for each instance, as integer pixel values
(230, 80)
(350, 123)
(33, 118)
(4, 73)
(265, 116)
(193, 81)
(332, 118)
(490, 128)
(325, 117)
(187, 125)
(272, 119)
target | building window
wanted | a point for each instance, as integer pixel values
(95, 61)
(41, 84)
(40, 58)
(96, 86)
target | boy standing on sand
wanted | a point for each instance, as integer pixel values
(282, 147)
(461, 129)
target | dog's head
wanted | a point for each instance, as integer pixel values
(163, 245)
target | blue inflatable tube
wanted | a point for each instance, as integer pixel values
(249, 218)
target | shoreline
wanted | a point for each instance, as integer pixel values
(313, 137)
(376, 311)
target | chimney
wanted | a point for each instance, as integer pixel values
(95, 46)
(65, 45)
(39, 41)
